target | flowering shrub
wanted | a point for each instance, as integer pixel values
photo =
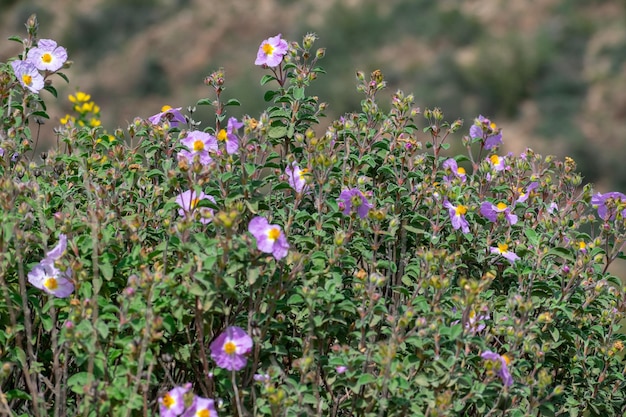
(256, 267)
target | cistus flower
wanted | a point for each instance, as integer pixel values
(475, 323)
(47, 55)
(188, 202)
(498, 163)
(524, 196)
(606, 211)
(172, 403)
(229, 135)
(271, 51)
(198, 143)
(230, 348)
(499, 364)
(503, 249)
(341, 369)
(47, 277)
(457, 171)
(491, 211)
(486, 130)
(201, 407)
(457, 216)
(296, 177)
(28, 76)
(354, 198)
(172, 115)
(269, 237)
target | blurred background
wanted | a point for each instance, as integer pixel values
(551, 73)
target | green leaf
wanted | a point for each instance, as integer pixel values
(269, 95)
(233, 102)
(204, 102)
(298, 93)
(16, 39)
(277, 132)
(77, 382)
(364, 379)
(267, 78)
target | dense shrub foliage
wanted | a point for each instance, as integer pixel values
(265, 266)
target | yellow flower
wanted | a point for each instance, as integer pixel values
(93, 122)
(80, 97)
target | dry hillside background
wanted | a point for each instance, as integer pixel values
(551, 72)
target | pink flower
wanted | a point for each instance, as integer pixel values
(229, 135)
(296, 177)
(269, 237)
(28, 76)
(354, 198)
(47, 277)
(172, 404)
(188, 202)
(498, 163)
(491, 211)
(47, 55)
(271, 51)
(486, 130)
(172, 115)
(501, 363)
(198, 144)
(201, 407)
(451, 166)
(230, 348)
(503, 249)
(457, 216)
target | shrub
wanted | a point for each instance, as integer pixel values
(256, 267)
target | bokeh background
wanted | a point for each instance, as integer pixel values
(552, 73)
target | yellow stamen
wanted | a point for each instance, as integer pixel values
(230, 348)
(507, 358)
(493, 126)
(460, 210)
(273, 233)
(194, 203)
(501, 206)
(51, 283)
(203, 413)
(503, 247)
(165, 108)
(582, 245)
(222, 135)
(47, 58)
(495, 159)
(168, 401)
(198, 146)
(460, 171)
(28, 80)
(268, 49)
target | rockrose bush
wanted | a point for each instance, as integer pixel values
(289, 265)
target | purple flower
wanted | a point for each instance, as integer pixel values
(269, 237)
(188, 201)
(503, 249)
(354, 198)
(524, 196)
(271, 51)
(552, 208)
(491, 211)
(172, 115)
(498, 163)
(341, 369)
(27, 74)
(457, 216)
(230, 348)
(457, 171)
(47, 56)
(296, 177)
(201, 407)
(47, 277)
(198, 143)
(265, 378)
(229, 135)
(615, 200)
(501, 364)
(486, 130)
(475, 322)
(172, 404)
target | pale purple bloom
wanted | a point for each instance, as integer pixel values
(188, 202)
(47, 55)
(502, 366)
(458, 172)
(491, 211)
(341, 369)
(229, 135)
(503, 249)
(498, 163)
(265, 378)
(230, 348)
(354, 198)
(296, 177)
(553, 207)
(475, 323)
(486, 130)
(28, 76)
(172, 403)
(599, 201)
(50, 279)
(201, 407)
(531, 187)
(271, 51)
(47, 277)
(457, 216)
(198, 143)
(171, 115)
(269, 237)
